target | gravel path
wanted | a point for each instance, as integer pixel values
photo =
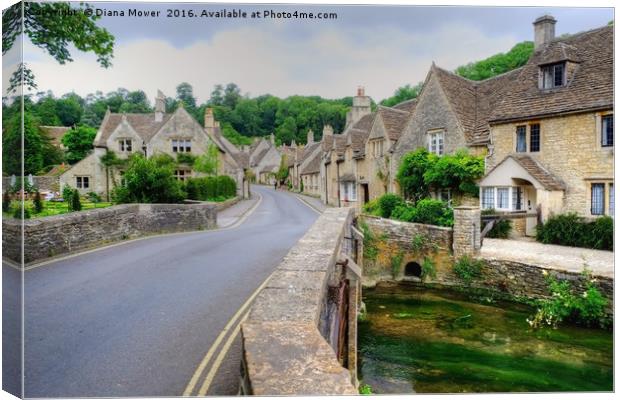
(551, 256)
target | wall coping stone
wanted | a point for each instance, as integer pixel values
(283, 351)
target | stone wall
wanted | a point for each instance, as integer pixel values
(398, 243)
(284, 352)
(466, 235)
(66, 233)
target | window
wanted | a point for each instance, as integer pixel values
(534, 137)
(612, 204)
(181, 146)
(488, 198)
(521, 145)
(377, 148)
(517, 198)
(445, 195)
(553, 76)
(182, 174)
(598, 199)
(607, 131)
(502, 198)
(124, 145)
(435, 143)
(348, 191)
(82, 182)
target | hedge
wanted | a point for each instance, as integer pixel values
(573, 230)
(211, 188)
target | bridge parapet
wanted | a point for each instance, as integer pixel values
(288, 337)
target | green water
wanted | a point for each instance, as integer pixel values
(439, 341)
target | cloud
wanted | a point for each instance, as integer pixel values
(330, 62)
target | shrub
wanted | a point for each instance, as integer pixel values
(365, 389)
(388, 202)
(94, 197)
(501, 229)
(76, 204)
(467, 269)
(149, 181)
(428, 269)
(573, 230)
(372, 208)
(210, 188)
(67, 193)
(370, 247)
(566, 305)
(426, 211)
(395, 263)
(6, 201)
(37, 202)
(18, 212)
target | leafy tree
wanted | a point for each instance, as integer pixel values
(403, 93)
(185, 93)
(217, 96)
(282, 173)
(208, 163)
(458, 172)
(232, 95)
(46, 112)
(498, 63)
(79, 142)
(69, 110)
(149, 181)
(53, 27)
(411, 172)
(38, 151)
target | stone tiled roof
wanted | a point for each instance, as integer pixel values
(394, 121)
(144, 125)
(474, 101)
(359, 133)
(407, 105)
(256, 160)
(590, 87)
(548, 180)
(340, 143)
(314, 166)
(308, 150)
(55, 132)
(327, 142)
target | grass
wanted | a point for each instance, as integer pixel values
(54, 208)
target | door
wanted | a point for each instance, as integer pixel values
(531, 208)
(366, 194)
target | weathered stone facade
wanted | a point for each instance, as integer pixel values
(570, 149)
(466, 231)
(286, 339)
(66, 233)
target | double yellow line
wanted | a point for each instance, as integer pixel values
(233, 326)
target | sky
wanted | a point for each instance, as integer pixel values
(378, 47)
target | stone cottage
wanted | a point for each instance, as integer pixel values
(174, 134)
(551, 144)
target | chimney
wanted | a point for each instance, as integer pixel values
(310, 139)
(360, 91)
(544, 30)
(272, 139)
(209, 119)
(328, 130)
(293, 143)
(160, 106)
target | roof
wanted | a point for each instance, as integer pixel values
(256, 160)
(144, 125)
(547, 179)
(340, 143)
(590, 87)
(407, 105)
(314, 166)
(474, 101)
(394, 121)
(55, 132)
(307, 151)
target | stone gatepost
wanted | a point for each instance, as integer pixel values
(466, 231)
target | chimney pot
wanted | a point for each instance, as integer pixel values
(310, 137)
(544, 30)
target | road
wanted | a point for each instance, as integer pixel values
(136, 319)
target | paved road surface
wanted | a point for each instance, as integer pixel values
(137, 319)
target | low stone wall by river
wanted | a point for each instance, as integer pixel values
(286, 346)
(60, 234)
(396, 246)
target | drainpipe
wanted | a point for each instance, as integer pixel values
(338, 180)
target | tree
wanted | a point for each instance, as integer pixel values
(38, 150)
(286, 132)
(498, 63)
(208, 163)
(37, 202)
(6, 201)
(217, 96)
(411, 172)
(69, 109)
(79, 142)
(403, 93)
(232, 94)
(282, 173)
(53, 27)
(457, 172)
(76, 204)
(109, 160)
(185, 93)
(46, 112)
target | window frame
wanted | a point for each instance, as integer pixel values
(601, 185)
(605, 134)
(521, 129)
(531, 147)
(82, 182)
(436, 142)
(549, 78)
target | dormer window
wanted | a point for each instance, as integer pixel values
(553, 75)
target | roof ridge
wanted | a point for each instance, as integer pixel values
(392, 109)
(572, 36)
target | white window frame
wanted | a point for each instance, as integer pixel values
(348, 191)
(125, 145)
(82, 182)
(436, 142)
(510, 198)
